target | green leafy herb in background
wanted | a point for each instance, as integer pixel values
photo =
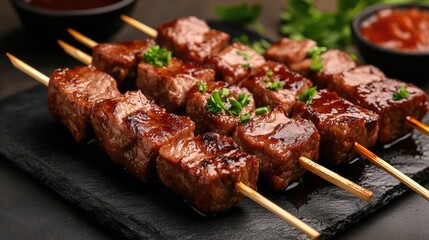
(331, 29)
(242, 14)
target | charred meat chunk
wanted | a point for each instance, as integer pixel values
(132, 129)
(191, 39)
(234, 62)
(278, 141)
(340, 124)
(274, 85)
(223, 122)
(72, 94)
(379, 97)
(168, 85)
(120, 59)
(289, 51)
(204, 171)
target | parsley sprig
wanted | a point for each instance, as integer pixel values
(308, 96)
(402, 93)
(316, 59)
(157, 56)
(246, 55)
(218, 102)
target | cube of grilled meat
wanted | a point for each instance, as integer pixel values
(274, 85)
(132, 129)
(340, 124)
(289, 51)
(345, 83)
(234, 62)
(334, 62)
(169, 85)
(120, 59)
(191, 39)
(204, 171)
(224, 123)
(378, 96)
(278, 141)
(72, 94)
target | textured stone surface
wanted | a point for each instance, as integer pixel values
(34, 141)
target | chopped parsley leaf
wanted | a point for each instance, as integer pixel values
(308, 95)
(402, 93)
(157, 56)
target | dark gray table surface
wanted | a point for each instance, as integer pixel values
(29, 210)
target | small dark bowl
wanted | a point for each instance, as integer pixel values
(410, 66)
(99, 23)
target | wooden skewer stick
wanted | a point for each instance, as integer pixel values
(140, 26)
(416, 124)
(76, 53)
(261, 200)
(40, 77)
(312, 166)
(241, 187)
(392, 171)
(336, 179)
(82, 38)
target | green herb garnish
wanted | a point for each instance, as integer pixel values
(157, 56)
(269, 73)
(202, 87)
(262, 110)
(276, 85)
(316, 59)
(316, 63)
(402, 93)
(235, 108)
(245, 66)
(245, 117)
(246, 56)
(308, 95)
(353, 56)
(243, 99)
(216, 103)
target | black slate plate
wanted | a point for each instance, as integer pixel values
(37, 143)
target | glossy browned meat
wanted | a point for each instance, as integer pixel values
(289, 51)
(271, 72)
(132, 129)
(334, 62)
(344, 83)
(278, 141)
(72, 94)
(378, 97)
(169, 85)
(206, 121)
(340, 124)
(120, 59)
(204, 171)
(190, 38)
(234, 62)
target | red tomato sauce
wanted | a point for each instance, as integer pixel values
(403, 29)
(71, 4)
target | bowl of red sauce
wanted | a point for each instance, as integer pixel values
(395, 38)
(99, 19)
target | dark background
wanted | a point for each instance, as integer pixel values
(29, 210)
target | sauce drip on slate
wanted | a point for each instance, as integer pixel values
(71, 4)
(403, 29)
